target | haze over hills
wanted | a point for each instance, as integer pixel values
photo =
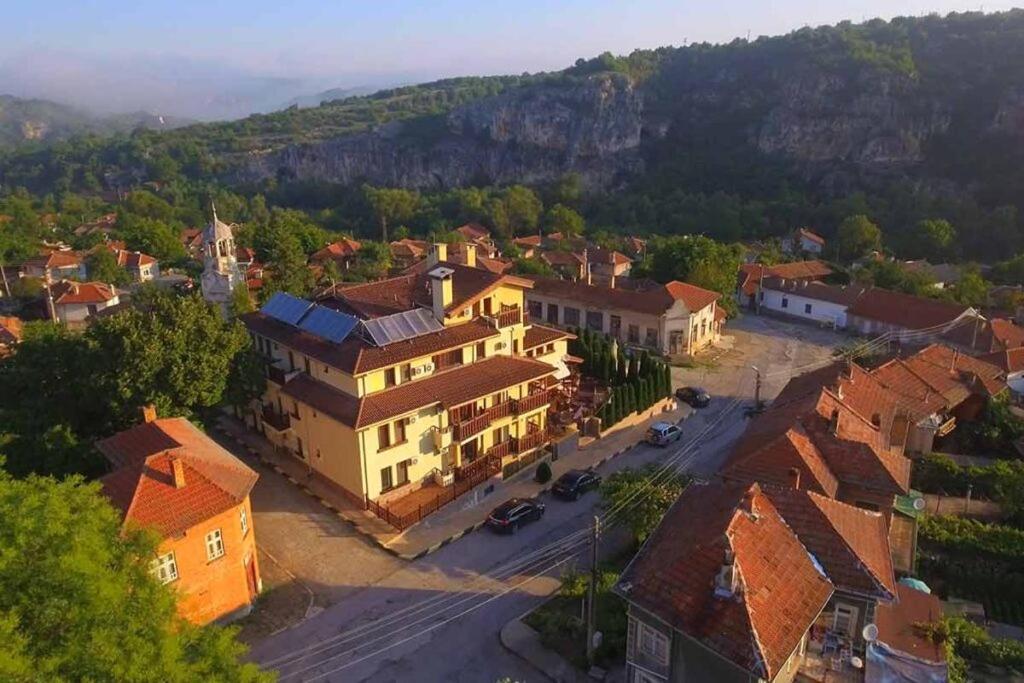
(913, 112)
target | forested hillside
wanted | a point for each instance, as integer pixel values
(917, 118)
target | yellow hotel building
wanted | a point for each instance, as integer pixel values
(440, 379)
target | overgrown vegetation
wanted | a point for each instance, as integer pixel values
(969, 645)
(1002, 481)
(639, 498)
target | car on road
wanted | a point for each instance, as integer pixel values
(695, 396)
(663, 433)
(574, 483)
(512, 514)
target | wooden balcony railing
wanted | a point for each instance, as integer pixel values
(502, 449)
(278, 422)
(510, 316)
(467, 428)
(496, 412)
(532, 401)
(478, 470)
(276, 374)
(531, 441)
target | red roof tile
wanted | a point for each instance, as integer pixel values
(143, 488)
(538, 335)
(473, 231)
(56, 259)
(898, 624)
(1010, 360)
(67, 292)
(955, 375)
(905, 310)
(842, 295)
(652, 302)
(10, 330)
(813, 236)
(780, 594)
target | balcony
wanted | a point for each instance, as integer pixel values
(276, 374)
(499, 411)
(464, 429)
(509, 317)
(501, 450)
(277, 421)
(532, 401)
(531, 441)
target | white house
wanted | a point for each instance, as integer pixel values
(814, 301)
(804, 241)
(74, 302)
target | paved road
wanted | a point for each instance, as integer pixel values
(437, 619)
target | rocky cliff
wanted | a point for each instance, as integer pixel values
(527, 135)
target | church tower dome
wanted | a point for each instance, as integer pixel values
(221, 274)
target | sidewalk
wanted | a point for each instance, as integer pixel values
(460, 517)
(522, 640)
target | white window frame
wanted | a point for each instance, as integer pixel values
(851, 612)
(165, 568)
(214, 545)
(243, 519)
(657, 640)
(644, 676)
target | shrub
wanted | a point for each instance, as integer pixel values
(543, 473)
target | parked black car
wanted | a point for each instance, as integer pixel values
(695, 396)
(574, 483)
(512, 514)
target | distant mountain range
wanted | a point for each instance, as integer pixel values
(304, 101)
(43, 121)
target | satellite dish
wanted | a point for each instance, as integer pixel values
(870, 633)
(919, 504)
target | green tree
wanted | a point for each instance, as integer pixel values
(515, 212)
(857, 236)
(241, 301)
(696, 259)
(77, 601)
(642, 497)
(101, 265)
(391, 205)
(560, 218)
(933, 238)
(972, 289)
(286, 268)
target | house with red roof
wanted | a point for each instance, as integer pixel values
(804, 241)
(75, 302)
(751, 276)
(677, 318)
(10, 334)
(141, 267)
(55, 265)
(169, 477)
(342, 252)
(479, 236)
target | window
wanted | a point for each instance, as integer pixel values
(634, 334)
(295, 409)
(447, 360)
(807, 309)
(214, 545)
(534, 307)
(572, 316)
(481, 350)
(291, 360)
(164, 568)
(652, 337)
(386, 483)
(406, 372)
(305, 361)
(390, 377)
(653, 644)
(760, 296)
(403, 472)
(383, 437)
(615, 326)
(400, 430)
(553, 313)
(785, 302)
(595, 320)
(243, 519)
(844, 619)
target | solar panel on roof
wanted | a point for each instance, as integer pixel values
(286, 308)
(401, 326)
(329, 324)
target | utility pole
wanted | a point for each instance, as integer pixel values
(757, 388)
(595, 532)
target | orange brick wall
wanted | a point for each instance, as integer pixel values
(207, 589)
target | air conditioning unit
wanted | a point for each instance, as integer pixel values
(412, 420)
(418, 370)
(414, 461)
(501, 346)
(429, 367)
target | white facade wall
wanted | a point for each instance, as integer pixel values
(788, 303)
(75, 315)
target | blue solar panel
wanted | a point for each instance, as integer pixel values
(328, 324)
(286, 308)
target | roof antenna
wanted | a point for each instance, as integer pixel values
(213, 207)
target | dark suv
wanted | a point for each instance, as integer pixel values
(574, 483)
(695, 396)
(512, 514)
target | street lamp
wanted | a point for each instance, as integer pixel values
(757, 388)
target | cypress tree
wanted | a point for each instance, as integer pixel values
(668, 380)
(633, 367)
(645, 393)
(620, 369)
(631, 398)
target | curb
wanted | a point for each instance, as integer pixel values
(408, 557)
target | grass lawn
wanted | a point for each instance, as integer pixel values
(560, 622)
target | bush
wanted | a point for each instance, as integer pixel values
(543, 473)
(956, 535)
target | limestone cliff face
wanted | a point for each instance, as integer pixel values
(528, 135)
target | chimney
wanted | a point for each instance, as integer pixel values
(956, 357)
(727, 583)
(833, 423)
(149, 413)
(611, 283)
(439, 254)
(876, 419)
(441, 291)
(470, 254)
(794, 477)
(178, 469)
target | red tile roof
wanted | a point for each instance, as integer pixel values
(898, 624)
(905, 310)
(1010, 360)
(955, 375)
(408, 248)
(343, 248)
(132, 259)
(56, 259)
(607, 256)
(538, 335)
(143, 488)
(562, 258)
(652, 302)
(356, 356)
(780, 590)
(750, 273)
(528, 241)
(852, 544)
(813, 236)
(449, 388)
(67, 292)
(10, 330)
(843, 295)
(473, 231)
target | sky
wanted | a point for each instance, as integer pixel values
(217, 58)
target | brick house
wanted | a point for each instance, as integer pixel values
(170, 477)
